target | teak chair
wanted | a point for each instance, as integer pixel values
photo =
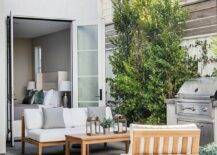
(165, 141)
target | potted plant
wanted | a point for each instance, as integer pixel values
(106, 124)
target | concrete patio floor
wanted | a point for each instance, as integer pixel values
(111, 149)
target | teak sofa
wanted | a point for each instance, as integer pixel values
(170, 139)
(32, 132)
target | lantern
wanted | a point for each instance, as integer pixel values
(92, 126)
(120, 124)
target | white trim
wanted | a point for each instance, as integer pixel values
(43, 18)
(88, 101)
(91, 76)
(201, 27)
(190, 2)
(12, 77)
(192, 20)
(200, 36)
(75, 67)
(94, 50)
(101, 61)
(71, 59)
(101, 56)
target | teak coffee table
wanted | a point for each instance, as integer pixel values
(85, 141)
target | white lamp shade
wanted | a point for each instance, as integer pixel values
(65, 86)
(31, 85)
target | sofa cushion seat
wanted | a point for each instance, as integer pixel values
(52, 135)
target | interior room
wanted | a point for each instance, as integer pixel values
(41, 67)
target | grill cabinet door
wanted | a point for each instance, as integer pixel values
(207, 132)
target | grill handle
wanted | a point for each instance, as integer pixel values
(188, 108)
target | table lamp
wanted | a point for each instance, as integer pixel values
(65, 86)
(31, 85)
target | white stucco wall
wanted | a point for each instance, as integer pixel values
(71, 9)
(80, 10)
(197, 51)
(2, 81)
(107, 11)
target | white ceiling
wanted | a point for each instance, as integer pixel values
(26, 28)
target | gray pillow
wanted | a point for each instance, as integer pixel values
(97, 112)
(53, 118)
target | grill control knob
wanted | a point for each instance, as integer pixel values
(204, 109)
(193, 109)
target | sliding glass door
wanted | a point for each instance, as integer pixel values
(88, 82)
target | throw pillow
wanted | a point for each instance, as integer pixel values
(48, 97)
(28, 99)
(56, 99)
(52, 98)
(39, 97)
(97, 112)
(53, 118)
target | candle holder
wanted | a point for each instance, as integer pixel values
(120, 124)
(92, 126)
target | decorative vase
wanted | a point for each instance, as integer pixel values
(65, 100)
(106, 131)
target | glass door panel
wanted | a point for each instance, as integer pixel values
(88, 37)
(87, 65)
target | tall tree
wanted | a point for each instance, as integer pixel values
(148, 62)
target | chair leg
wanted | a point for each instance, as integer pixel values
(40, 149)
(105, 145)
(127, 146)
(64, 148)
(23, 146)
(67, 148)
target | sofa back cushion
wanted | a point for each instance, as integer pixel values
(53, 118)
(97, 112)
(75, 116)
(33, 118)
(78, 116)
(72, 117)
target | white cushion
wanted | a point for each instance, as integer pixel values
(161, 127)
(72, 117)
(78, 116)
(52, 98)
(33, 118)
(48, 97)
(56, 99)
(48, 135)
(75, 116)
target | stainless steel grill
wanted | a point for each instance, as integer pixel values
(195, 103)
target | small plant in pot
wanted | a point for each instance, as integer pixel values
(106, 124)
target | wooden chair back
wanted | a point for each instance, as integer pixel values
(164, 141)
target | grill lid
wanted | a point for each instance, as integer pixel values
(198, 88)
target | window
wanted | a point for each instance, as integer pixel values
(186, 2)
(38, 60)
